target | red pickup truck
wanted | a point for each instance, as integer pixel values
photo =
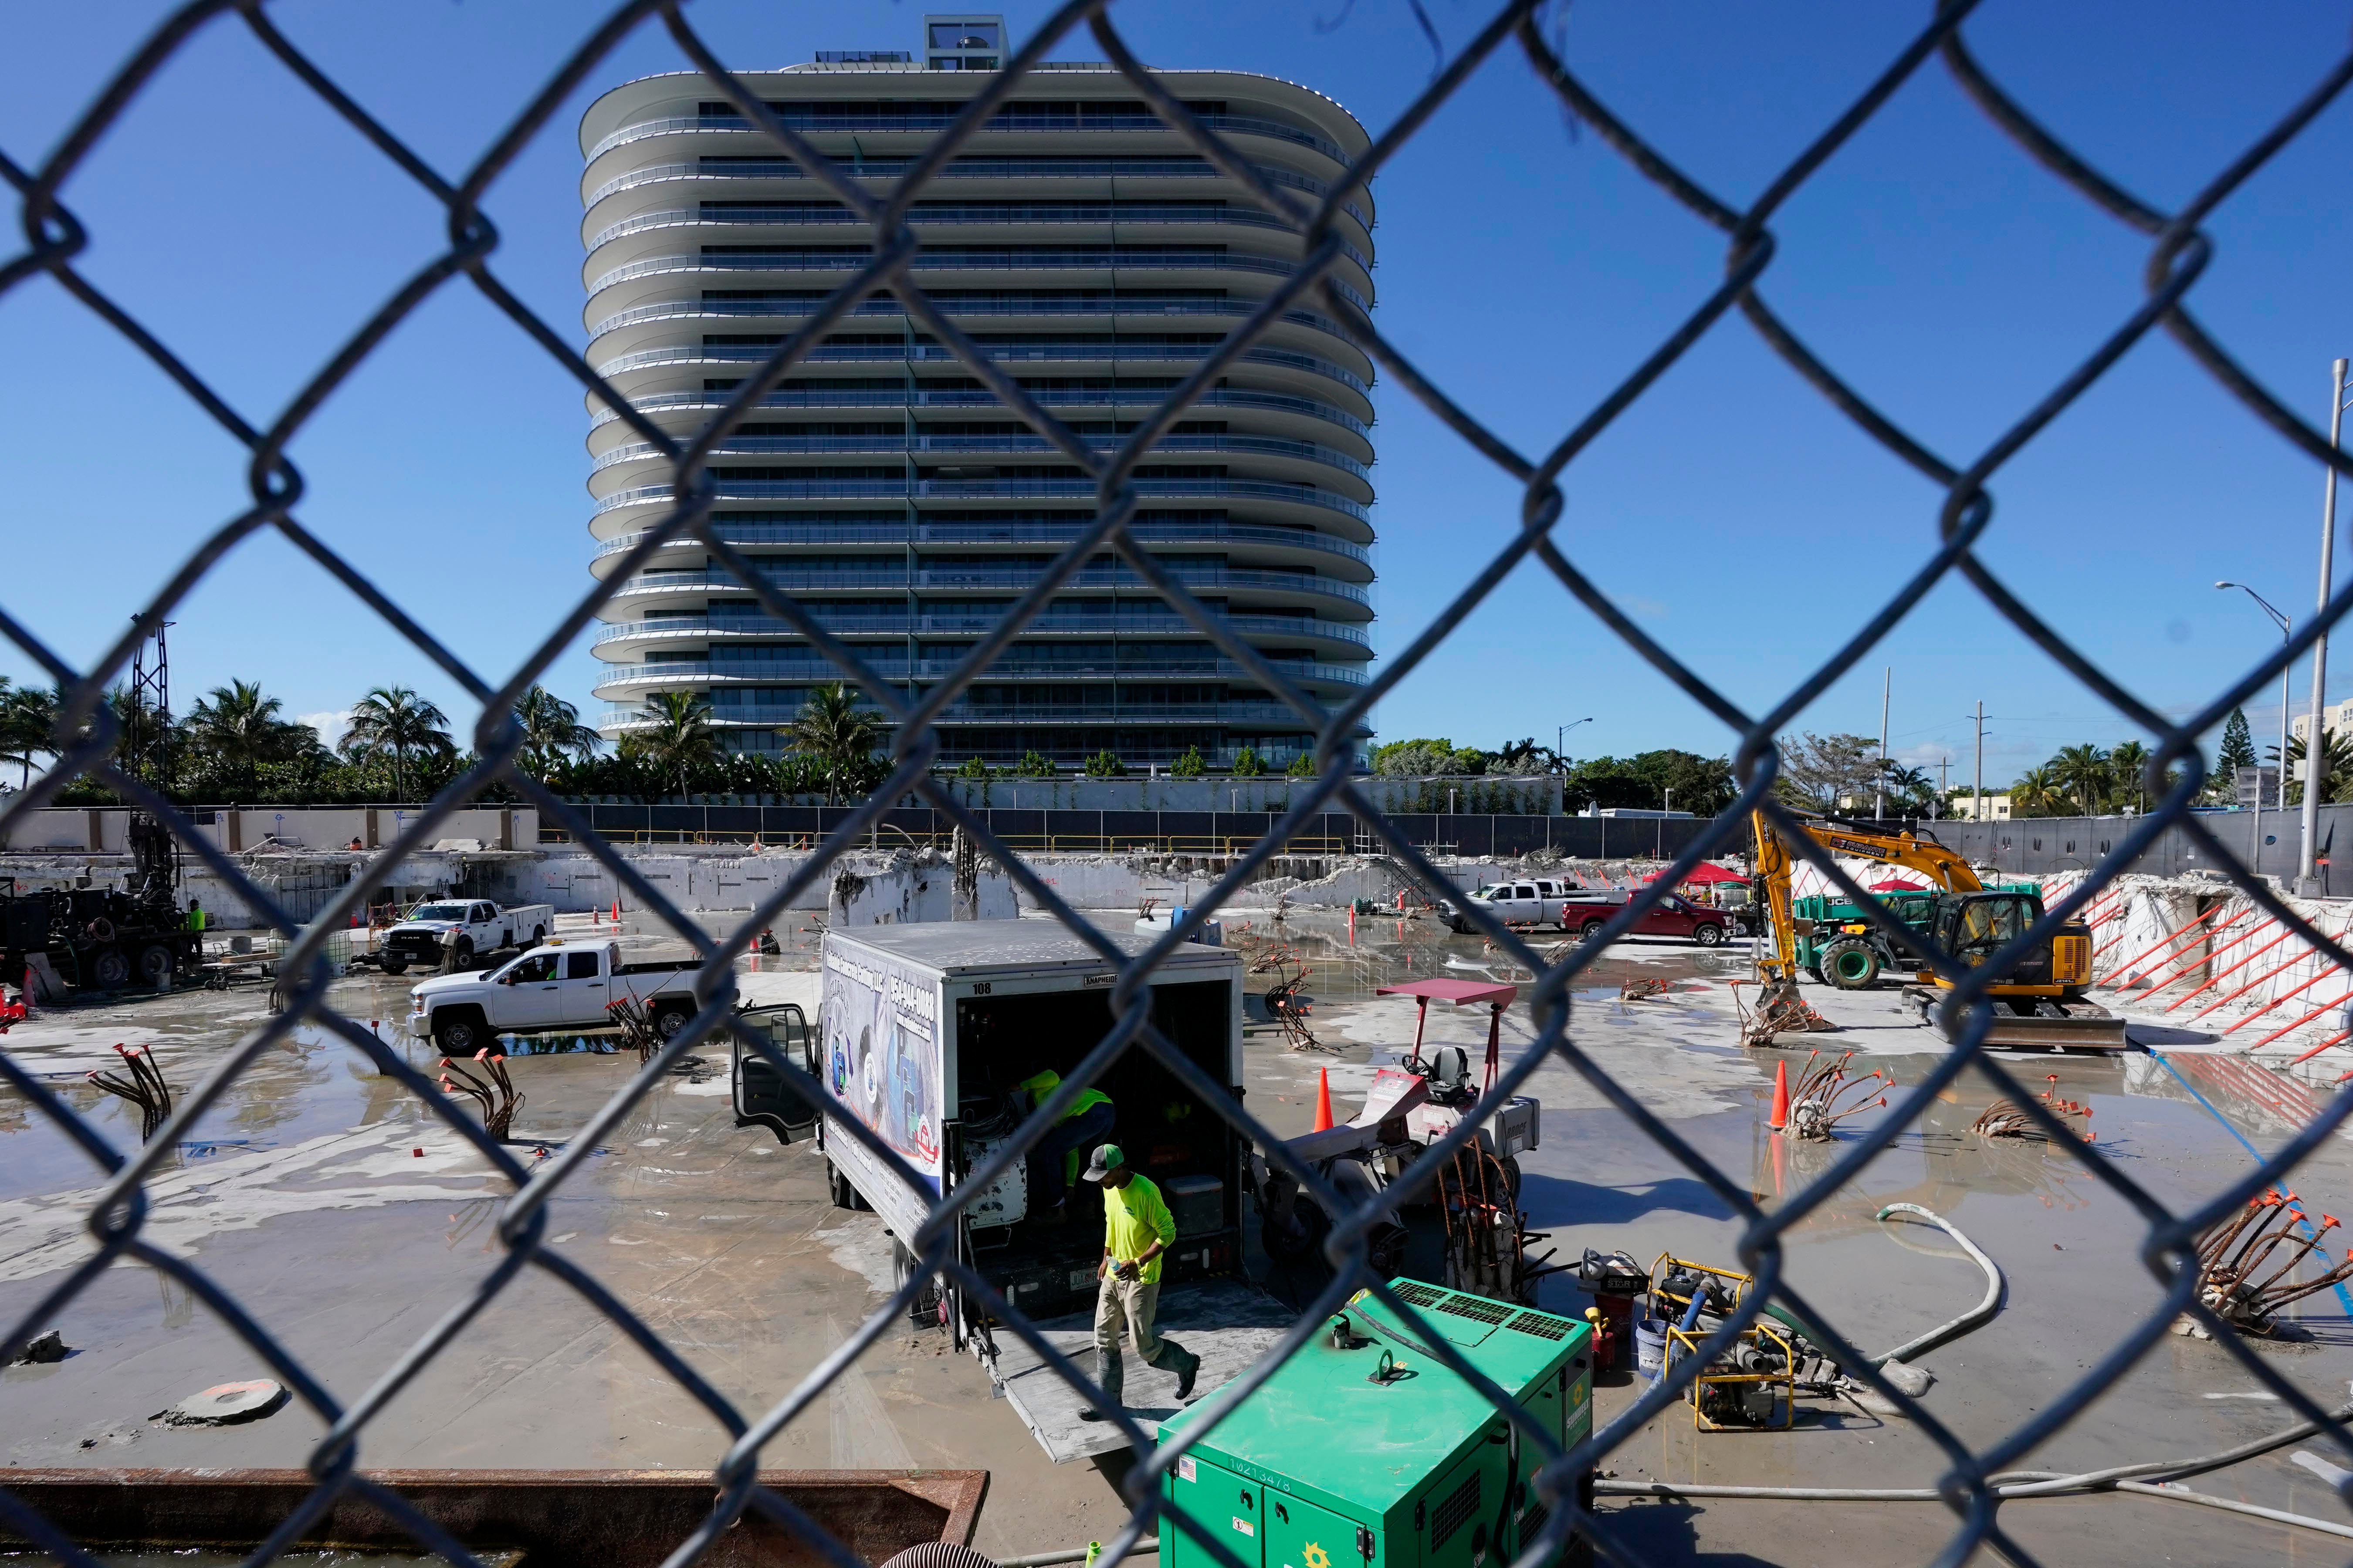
(1673, 916)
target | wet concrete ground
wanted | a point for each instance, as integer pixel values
(309, 1201)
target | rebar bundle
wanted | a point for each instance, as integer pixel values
(144, 1087)
(1635, 990)
(1288, 1010)
(2003, 1119)
(635, 1022)
(1780, 1010)
(2238, 1280)
(1824, 1096)
(1487, 1236)
(497, 1098)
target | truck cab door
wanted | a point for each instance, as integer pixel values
(762, 1096)
(582, 992)
(533, 987)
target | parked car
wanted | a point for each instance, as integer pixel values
(1674, 915)
(452, 934)
(553, 988)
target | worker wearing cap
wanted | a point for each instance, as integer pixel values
(1137, 1228)
(1084, 1122)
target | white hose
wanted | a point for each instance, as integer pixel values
(1966, 1321)
(2026, 1484)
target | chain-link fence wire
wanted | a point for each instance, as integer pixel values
(87, 732)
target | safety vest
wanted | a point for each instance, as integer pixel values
(1045, 1083)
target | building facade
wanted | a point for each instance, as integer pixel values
(1097, 258)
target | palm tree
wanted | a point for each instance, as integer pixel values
(392, 720)
(2084, 772)
(680, 738)
(2336, 767)
(28, 716)
(834, 729)
(240, 728)
(552, 733)
(2127, 766)
(1908, 785)
(2037, 792)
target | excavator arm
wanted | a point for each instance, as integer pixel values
(1774, 864)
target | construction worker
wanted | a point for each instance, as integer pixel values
(195, 916)
(1085, 1123)
(1137, 1229)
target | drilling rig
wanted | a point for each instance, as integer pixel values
(107, 938)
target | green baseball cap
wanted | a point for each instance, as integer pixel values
(1107, 1159)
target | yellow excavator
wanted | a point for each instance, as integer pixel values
(2039, 1002)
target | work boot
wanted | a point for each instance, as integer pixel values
(1111, 1374)
(1170, 1356)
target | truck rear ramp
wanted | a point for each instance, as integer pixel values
(1228, 1323)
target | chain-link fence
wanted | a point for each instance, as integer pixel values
(2179, 253)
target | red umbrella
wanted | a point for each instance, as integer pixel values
(1897, 885)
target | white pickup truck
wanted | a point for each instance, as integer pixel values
(451, 933)
(558, 987)
(1537, 902)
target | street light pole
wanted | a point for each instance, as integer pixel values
(2285, 627)
(1879, 795)
(1560, 733)
(2314, 743)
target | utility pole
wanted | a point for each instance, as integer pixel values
(1936, 811)
(2315, 746)
(1977, 789)
(1879, 796)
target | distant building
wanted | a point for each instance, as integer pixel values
(2258, 786)
(1996, 807)
(1100, 259)
(2336, 718)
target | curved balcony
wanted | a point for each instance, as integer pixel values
(1010, 214)
(890, 168)
(914, 397)
(817, 446)
(1262, 490)
(971, 534)
(620, 721)
(621, 679)
(685, 629)
(1004, 120)
(1118, 353)
(1065, 258)
(964, 578)
(890, 308)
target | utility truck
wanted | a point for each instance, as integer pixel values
(925, 1034)
(452, 934)
(557, 986)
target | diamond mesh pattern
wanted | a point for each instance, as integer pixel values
(2179, 252)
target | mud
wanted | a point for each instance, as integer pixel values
(304, 1193)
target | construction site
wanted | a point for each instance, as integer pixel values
(1976, 1243)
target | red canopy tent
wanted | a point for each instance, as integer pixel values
(1707, 873)
(1897, 885)
(1462, 993)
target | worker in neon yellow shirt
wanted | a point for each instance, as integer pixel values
(1085, 1123)
(1137, 1228)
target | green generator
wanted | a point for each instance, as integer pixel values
(1363, 1451)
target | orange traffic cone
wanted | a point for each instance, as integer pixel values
(616, 911)
(1322, 1100)
(1781, 1095)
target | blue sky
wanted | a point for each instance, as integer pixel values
(1526, 267)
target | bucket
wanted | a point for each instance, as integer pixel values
(1651, 1348)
